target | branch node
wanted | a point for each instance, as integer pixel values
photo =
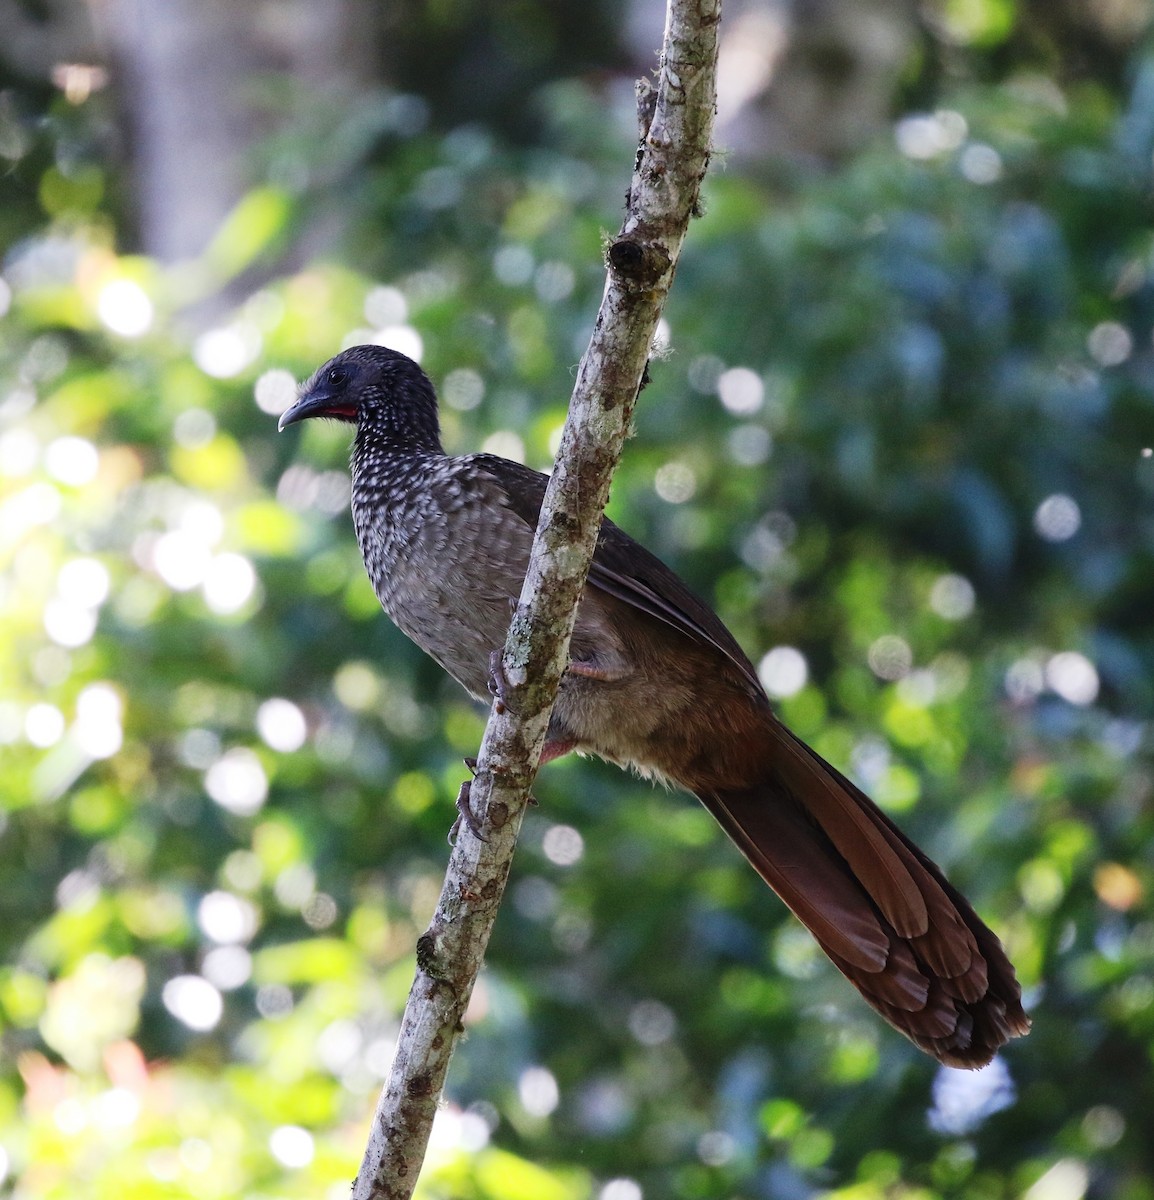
(429, 956)
(638, 263)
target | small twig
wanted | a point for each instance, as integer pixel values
(671, 162)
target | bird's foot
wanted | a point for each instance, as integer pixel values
(465, 813)
(531, 800)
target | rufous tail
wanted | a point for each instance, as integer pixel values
(884, 913)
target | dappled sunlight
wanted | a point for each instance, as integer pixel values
(900, 441)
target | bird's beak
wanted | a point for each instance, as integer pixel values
(314, 402)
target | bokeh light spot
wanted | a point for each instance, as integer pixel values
(193, 1001)
(463, 389)
(19, 453)
(97, 730)
(538, 1091)
(194, 428)
(980, 164)
(716, 1147)
(890, 657)
(553, 281)
(281, 725)
(964, 1099)
(225, 918)
(783, 671)
(652, 1022)
(124, 307)
(1109, 343)
(741, 390)
(180, 560)
(43, 725)
(237, 782)
(291, 1146)
(385, 306)
(621, 1189)
(274, 391)
(928, 135)
(274, 1001)
(749, 445)
(506, 444)
(223, 353)
(1073, 676)
(227, 967)
(1117, 886)
(675, 482)
(72, 460)
(952, 597)
(69, 624)
(229, 581)
(513, 265)
(1058, 518)
(563, 845)
(402, 338)
(357, 686)
(84, 581)
(1025, 680)
(1067, 1179)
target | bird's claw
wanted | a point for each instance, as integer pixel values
(465, 807)
(465, 812)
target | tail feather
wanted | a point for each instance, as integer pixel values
(829, 903)
(880, 909)
(865, 845)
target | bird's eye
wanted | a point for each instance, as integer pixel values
(337, 376)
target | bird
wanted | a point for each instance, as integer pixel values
(656, 683)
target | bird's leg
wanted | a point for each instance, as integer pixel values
(499, 688)
(550, 751)
(591, 670)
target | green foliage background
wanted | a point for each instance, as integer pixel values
(944, 341)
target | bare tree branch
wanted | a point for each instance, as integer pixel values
(677, 120)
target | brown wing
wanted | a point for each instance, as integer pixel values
(623, 568)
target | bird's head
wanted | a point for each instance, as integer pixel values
(381, 391)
